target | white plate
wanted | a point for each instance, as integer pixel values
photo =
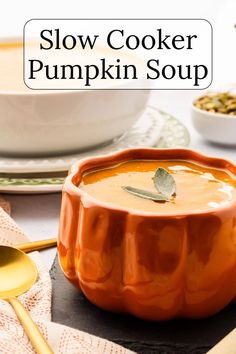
(154, 129)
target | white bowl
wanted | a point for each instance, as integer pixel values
(56, 122)
(215, 127)
(60, 122)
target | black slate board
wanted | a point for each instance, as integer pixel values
(71, 308)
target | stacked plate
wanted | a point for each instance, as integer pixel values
(46, 175)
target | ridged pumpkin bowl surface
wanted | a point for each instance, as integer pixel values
(156, 267)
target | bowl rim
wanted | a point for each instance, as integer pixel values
(212, 114)
(119, 156)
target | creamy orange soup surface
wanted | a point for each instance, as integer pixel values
(11, 67)
(198, 188)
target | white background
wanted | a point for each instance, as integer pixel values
(38, 216)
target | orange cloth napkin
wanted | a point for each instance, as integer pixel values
(37, 301)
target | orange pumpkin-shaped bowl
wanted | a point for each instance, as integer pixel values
(156, 267)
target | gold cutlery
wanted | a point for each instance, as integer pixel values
(36, 245)
(17, 275)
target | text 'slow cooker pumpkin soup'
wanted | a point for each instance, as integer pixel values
(151, 232)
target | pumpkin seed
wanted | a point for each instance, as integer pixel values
(223, 102)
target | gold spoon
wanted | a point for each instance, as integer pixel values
(36, 245)
(17, 274)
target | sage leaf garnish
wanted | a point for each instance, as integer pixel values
(146, 194)
(164, 182)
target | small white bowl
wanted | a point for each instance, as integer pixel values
(215, 127)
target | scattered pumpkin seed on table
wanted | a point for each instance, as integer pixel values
(223, 102)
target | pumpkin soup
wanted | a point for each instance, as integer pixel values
(11, 67)
(132, 185)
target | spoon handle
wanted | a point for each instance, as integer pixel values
(36, 245)
(37, 340)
